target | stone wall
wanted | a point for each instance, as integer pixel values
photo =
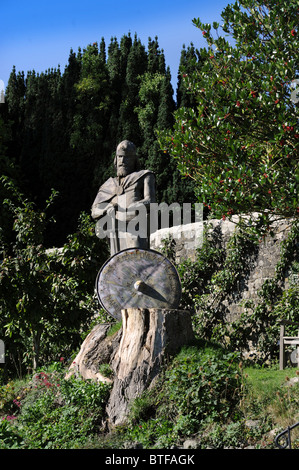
(262, 262)
(187, 239)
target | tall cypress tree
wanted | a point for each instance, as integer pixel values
(136, 67)
(114, 66)
(125, 48)
(166, 109)
(64, 155)
(15, 100)
(190, 61)
(9, 174)
(156, 59)
(35, 132)
(102, 53)
(67, 94)
(91, 119)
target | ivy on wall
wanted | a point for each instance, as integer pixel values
(217, 277)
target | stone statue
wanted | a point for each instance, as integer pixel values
(122, 197)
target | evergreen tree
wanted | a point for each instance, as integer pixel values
(90, 125)
(61, 156)
(8, 172)
(15, 99)
(136, 67)
(34, 131)
(155, 113)
(167, 107)
(67, 92)
(102, 52)
(156, 59)
(114, 66)
(191, 61)
(125, 48)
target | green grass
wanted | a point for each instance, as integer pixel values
(267, 381)
(114, 328)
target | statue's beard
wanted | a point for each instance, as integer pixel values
(122, 171)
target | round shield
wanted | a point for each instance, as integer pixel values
(135, 278)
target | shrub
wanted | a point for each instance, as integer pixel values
(204, 384)
(57, 413)
(9, 438)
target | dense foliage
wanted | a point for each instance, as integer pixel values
(51, 412)
(202, 385)
(47, 296)
(204, 395)
(239, 139)
(215, 277)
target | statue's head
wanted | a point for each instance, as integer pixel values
(126, 160)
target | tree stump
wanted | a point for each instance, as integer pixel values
(149, 338)
(96, 349)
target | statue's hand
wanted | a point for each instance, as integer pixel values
(111, 208)
(136, 206)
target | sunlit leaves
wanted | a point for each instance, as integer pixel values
(244, 124)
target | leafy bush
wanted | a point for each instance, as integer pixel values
(214, 279)
(56, 413)
(9, 438)
(47, 295)
(203, 384)
(239, 140)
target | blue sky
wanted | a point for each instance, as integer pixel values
(39, 34)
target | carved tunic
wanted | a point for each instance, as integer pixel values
(133, 190)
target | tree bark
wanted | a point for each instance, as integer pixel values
(96, 349)
(36, 336)
(149, 338)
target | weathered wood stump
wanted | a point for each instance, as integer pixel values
(136, 353)
(96, 349)
(149, 338)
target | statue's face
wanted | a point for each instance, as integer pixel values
(125, 164)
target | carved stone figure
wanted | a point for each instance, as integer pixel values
(121, 198)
